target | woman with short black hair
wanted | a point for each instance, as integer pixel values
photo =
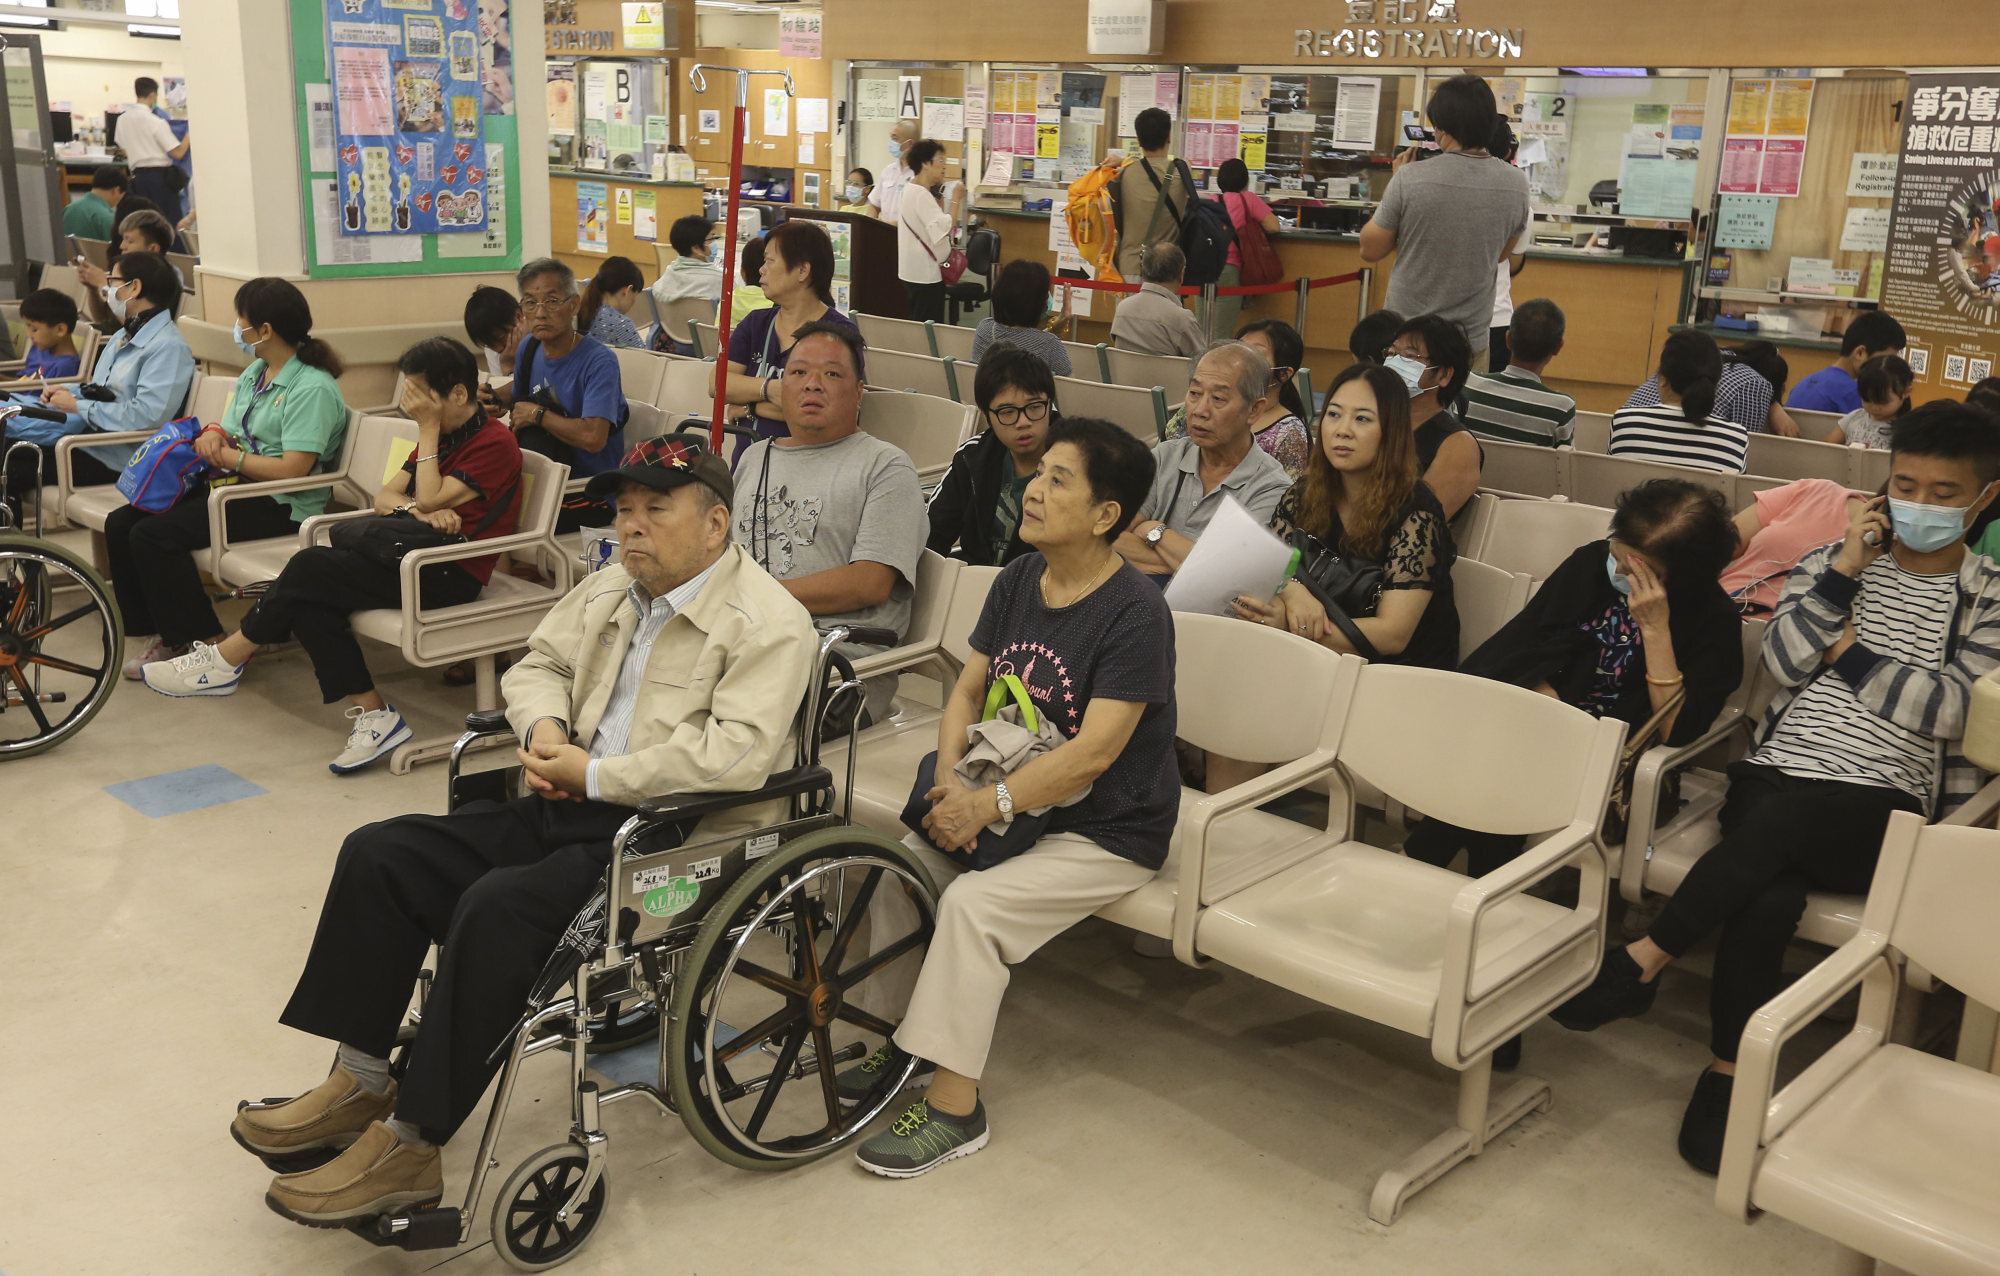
(975, 513)
(924, 231)
(1020, 308)
(1430, 354)
(606, 309)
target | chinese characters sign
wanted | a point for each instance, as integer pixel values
(1406, 30)
(1943, 274)
(407, 118)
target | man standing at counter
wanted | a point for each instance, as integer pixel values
(887, 197)
(151, 149)
(1452, 219)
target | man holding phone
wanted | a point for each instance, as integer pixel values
(1876, 643)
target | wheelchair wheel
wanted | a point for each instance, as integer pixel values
(528, 1229)
(764, 1012)
(60, 641)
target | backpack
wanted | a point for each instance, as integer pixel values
(1206, 232)
(1092, 223)
(164, 468)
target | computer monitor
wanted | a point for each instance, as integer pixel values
(60, 127)
(111, 127)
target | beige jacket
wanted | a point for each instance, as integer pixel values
(722, 690)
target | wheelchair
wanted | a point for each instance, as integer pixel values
(741, 950)
(61, 637)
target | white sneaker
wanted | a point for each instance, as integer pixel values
(375, 734)
(155, 651)
(201, 672)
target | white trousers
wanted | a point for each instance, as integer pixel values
(988, 921)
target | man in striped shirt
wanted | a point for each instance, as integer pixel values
(1876, 643)
(1512, 405)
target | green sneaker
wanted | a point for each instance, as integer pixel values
(854, 1083)
(921, 1140)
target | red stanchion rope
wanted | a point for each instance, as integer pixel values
(1236, 290)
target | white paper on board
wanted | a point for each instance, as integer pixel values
(319, 119)
(1237, 556)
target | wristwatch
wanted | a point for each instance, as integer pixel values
(1005, 799)
(1153, 536)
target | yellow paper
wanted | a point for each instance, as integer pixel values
(1228, 97)
(1749, 107)
(1250, 146)
(1048, 141)
(1791, 107)
(1201, 97)
(1003, 93)
(400, 450)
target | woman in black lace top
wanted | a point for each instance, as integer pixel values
(1373, 537)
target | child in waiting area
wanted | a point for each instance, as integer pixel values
(1884, 382)
(50, 318)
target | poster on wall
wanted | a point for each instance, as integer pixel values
(407, 116)
(1764, 151)
(562, 99)
(593, 217)
(1942, 280)
(493, 243)
(496, 58)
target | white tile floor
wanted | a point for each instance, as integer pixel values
(1147, 1117)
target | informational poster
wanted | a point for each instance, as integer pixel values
(656, 130)
(1791, 108)
(623, 132)
(1749, 107)
(1509, 94)
(1544, 152)
(777, 113)
(1048, 90)
(874, 101)
(1746, 221)
(1357, 103)
(1764, 152)
(319, 127)
(645, 24)
(1784, 166)
(1871, 176)
(1167, 94)
(1048, 140)
(1250, 149)
(622, 201)
(812, 115)
(496, 58)
(562, 99)
(336, 249)
(1194, 141)
(1686, 122)
(407, 98)
(1742, 164)
(975, 106)
(593, 217)
(1135, 94)
(1201, 97)
(493, 243)
(799, 34)
(999, 170)
(1940, 280)
(944, 119)
(1256, 96)
(1656, 178)
(595, 86)
(1866, 230)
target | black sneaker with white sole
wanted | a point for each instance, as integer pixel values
(921, 1140)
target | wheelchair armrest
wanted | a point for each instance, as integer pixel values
(695, 806)
(868, 635)
(487, 721)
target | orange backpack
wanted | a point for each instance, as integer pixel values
(1091, 226)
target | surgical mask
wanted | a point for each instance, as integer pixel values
(853, 193)
(246, 347)
(1411, 370)
(895, 149)
(1618, 582)
(1925, 528)
(113, 301)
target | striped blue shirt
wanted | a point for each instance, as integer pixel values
(614, 729)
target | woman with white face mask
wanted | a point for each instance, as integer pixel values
(1431, 356)
(854, 196)
(284, 420)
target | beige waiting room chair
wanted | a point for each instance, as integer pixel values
(1596, 479)
(639, 373)
(925, 426)
(687, 388)
(1170, 372)
(1813, 424)
(905, 335)
(1593, 432)
(1468, 526)
(677, 316)
(898, 370)
(951, 341)
(1140, 411)
(1487, 598)
(88, 507)
(374, 449)
(89, 343)
(707, 339)
(1523, 469)
(1464, 963)
(1534, 537)
(1804, 457)
(1892, 1154)
(64, 279)
(1088, 362)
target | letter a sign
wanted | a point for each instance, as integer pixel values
(912, 90)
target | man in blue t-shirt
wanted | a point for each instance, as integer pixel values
(569, 404)
(1833, 389)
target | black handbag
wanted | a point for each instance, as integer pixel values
(1345, 585)
(1023, 831)
(385, 538)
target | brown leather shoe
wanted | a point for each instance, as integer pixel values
(330, 1115)
(377, 1174)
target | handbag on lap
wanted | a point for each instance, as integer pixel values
(1007, 702)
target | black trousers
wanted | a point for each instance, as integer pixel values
(1782, 836)
(1435, 842)
(495, 885)
(152, 561)
(312, 597)
(926, 300)
(152, 183)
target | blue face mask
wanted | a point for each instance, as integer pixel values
(1618, 582)
(895, 149)
(1925, 528)
(241, 344)
(1411, 370)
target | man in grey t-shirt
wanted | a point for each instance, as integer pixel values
(836, 515)
(1451, 219)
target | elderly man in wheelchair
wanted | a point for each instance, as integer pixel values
(681, 673)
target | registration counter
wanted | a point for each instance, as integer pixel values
(1619, 308)
(568, 220)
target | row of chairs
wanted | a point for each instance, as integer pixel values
(1862, 469)
(1596, 478)
(1098, 362)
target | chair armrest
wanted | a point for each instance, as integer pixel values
(1194, 826)
(1647, 777)
(782, 784)
(315, 530)
(220, 497)
(1755, 1115)
(32, 383)
(66, 448)
(1979, 810)
(1456, 993)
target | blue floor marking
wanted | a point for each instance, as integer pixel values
(177, 792)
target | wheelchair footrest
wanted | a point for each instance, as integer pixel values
(435, 1228)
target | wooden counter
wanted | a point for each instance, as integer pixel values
(1803, 355)
(676, 200)
(1619, 309)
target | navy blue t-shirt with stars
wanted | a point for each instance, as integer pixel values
(1116, 643)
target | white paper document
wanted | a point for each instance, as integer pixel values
(1236, 556)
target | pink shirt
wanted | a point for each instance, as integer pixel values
(1794, 520)
(1241, 205)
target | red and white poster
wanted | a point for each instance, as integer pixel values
(1742, 163)
(1784, 166)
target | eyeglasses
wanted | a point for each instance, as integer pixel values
(531, 307)
(1011, 414)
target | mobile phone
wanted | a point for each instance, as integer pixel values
(1878, 539)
